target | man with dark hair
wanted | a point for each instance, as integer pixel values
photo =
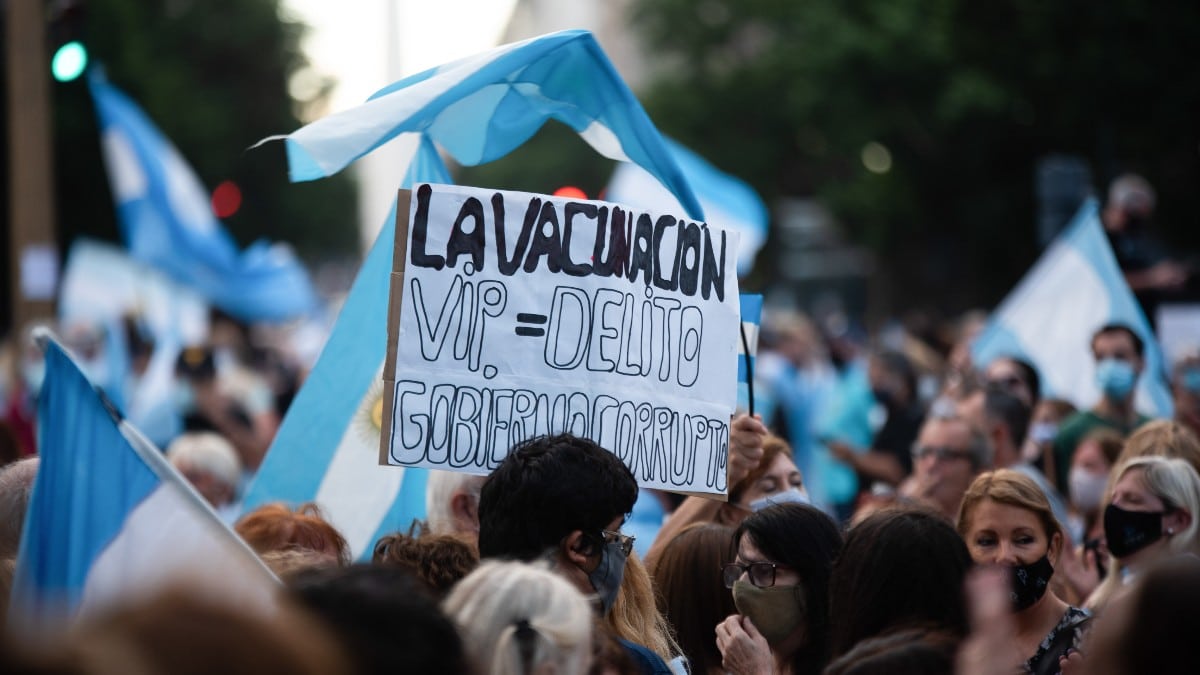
(1003, 416)
(564, 498)
(1118, 352)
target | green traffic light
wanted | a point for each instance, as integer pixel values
(69, 61)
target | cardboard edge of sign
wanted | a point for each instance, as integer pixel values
(395, 299)
(395, 302)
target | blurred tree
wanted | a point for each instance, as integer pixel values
(214, 76)
(962, 96)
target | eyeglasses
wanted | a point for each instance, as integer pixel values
(625, 540)
(942, 454)
(761, 574)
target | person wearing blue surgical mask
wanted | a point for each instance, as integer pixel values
(1185, 385)
(1118, 353)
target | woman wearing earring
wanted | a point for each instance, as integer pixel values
(1006, 520)
(1150, 516)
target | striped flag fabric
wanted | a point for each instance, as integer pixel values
(327, 448)
(111, 521)
(167, 221)
(751, 316)
(727, 200)
(482, 107)
(1049, 318)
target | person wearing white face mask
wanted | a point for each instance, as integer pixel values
(1118, 352)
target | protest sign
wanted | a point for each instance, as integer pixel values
(514, 315)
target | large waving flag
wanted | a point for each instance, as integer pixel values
(479, 109)
(727, 201)
(167, 222)
(1049, 318)
(110, 520)
(482, 107)
(327, 449)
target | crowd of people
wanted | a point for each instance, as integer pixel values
(890, 511)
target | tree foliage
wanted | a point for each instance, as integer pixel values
(966, 96)
(213, 75)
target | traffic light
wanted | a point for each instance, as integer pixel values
(70, 55)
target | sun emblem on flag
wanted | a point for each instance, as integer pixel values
(368, 417)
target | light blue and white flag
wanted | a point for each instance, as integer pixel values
(167, 221)
(1049, 318)
(110, 521)
(751, 316)
(727, 201)
(482, 107)
(327, 449)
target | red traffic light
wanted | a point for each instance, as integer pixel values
(226, 199)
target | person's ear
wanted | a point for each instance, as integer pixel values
(1176, 522)
(465, 509)
(578, 548)
(1056, 544)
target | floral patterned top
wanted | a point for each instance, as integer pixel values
(1064, 637)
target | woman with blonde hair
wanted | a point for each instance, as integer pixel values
(1163, 438)
(1006, 520)
(519, 619)
(636, 618)
(1151, 516)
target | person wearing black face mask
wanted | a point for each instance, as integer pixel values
(1006, 520)
(1149, 517)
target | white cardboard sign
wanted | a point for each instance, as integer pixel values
(515, 315)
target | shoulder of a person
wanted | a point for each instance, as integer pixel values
(647, 661)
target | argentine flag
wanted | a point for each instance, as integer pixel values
(110, 521)
(1049, 318)
(167, 221)
(480, 108)
(726, 200)
(327, 449)
(751, 316)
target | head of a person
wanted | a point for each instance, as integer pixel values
(1006, 520)
(1152, 510)
(1163, 438)
(1047, 415)
(783, 557)
(16, 487)
(1004, 419)
(562, 497)
(209, 463)
(440, 561)
(1118, 352)
(948, 454)
(1091, 464)
(452, 503)
(1185, 384)
(775, 479)
(1017, 376)
(385, 618)
(893, 378)
(182, 631)
(692, 594)
(900, 567)
(522, 619)
(1149, 629)
(910, 651)
(1131, 202)
(275, 527)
